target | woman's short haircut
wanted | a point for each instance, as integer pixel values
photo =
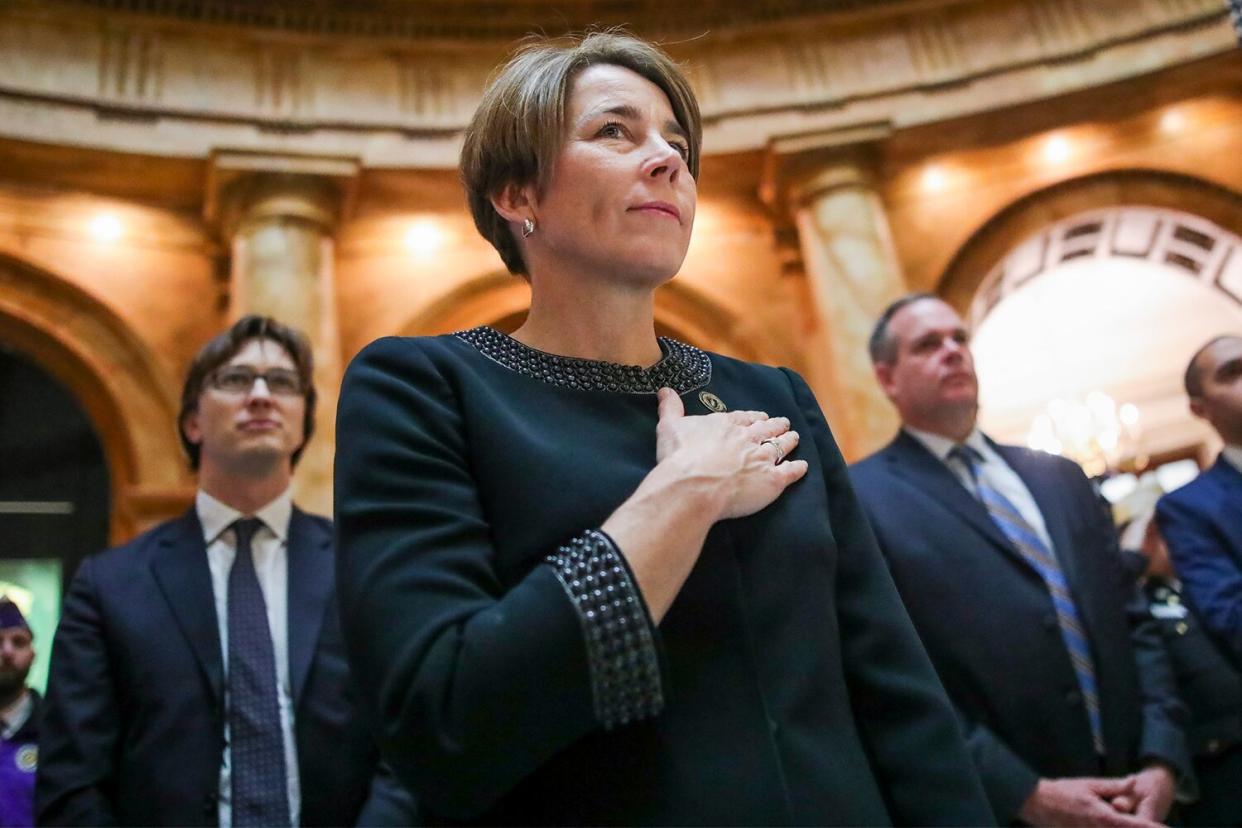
(224, 347)
(519, 128)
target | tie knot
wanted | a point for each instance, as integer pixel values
(245, 529)
(966, 455)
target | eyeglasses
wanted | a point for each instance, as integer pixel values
(239, 379)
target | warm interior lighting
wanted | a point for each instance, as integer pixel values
(1173, 120)
(704, 240)
(424, 237)
(1057, 149)
(933, 178)
(105, 227)
(1094, 432)
(1122, 321)
(705, 218)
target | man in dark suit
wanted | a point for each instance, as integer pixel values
(1202, 521)
(1010, 570)
(198, 674)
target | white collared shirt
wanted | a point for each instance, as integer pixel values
(269, 549)
(16, 715)
(1233, 456)
(993, 469)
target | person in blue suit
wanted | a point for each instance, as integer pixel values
(198, 674)
(1010, 569)
(1202, 521)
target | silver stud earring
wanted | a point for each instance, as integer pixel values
(528, 228)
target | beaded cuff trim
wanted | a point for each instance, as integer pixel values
(684, 367)
(625, 669)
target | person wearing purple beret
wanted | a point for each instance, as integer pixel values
(19, 719)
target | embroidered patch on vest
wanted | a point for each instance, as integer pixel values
(27, 758)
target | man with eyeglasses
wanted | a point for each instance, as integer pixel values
(198, 674)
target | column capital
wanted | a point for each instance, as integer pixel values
(244, 187)
(800, 167)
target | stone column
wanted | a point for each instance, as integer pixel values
(280, 220)
(852, 273)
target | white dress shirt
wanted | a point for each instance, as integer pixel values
(993, 469)
(16, 715)
(269, 549)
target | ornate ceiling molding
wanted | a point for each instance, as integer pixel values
(88, 76)
(497, 20)
(1187, 244)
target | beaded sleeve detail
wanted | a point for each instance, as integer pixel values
(621, 649)
(684, 368)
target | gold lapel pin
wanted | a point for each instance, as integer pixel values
(711, 402)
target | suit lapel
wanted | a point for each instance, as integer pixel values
(180, 568)
(1224, 501)
(931, 476)
(310, 592)
(1226, 475)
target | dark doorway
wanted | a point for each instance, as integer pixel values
(54, 492)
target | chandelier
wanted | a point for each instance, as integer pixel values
(1094, 432)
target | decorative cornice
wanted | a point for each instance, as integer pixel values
(503, 21)
(799, 167)
(141, 84)
(245, 185)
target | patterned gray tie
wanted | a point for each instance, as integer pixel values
(260, 788)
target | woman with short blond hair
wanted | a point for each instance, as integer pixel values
(590, 575)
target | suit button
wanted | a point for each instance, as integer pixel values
(1050, 622)
(1182, 628)
(774, 727)
(1213, 746)
(1073, 698)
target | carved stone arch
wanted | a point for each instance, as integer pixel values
(113, 377)
(1029, 215)
(500, 299)
(692, 317)
(483, 300)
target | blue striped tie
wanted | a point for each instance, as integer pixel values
(1025, 539)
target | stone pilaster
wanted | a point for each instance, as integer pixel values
(826, 185)
(279, 217)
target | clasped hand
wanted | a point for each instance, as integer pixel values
(1140, 800)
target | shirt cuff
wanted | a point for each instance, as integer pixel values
(621, 648)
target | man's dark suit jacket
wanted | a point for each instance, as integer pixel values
(133, 728)
(988, 623)
(1202, 524)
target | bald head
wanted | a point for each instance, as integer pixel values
(1193, 379)
(1214, 384)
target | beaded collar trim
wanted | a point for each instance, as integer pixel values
(684, 367)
